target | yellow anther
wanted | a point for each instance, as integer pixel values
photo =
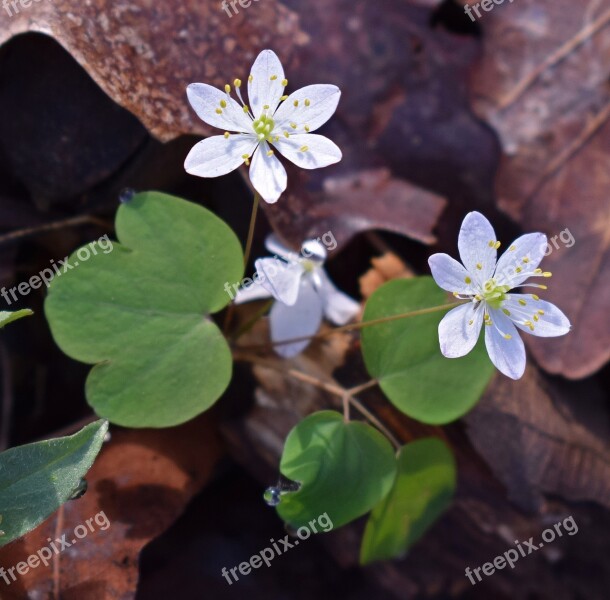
(273, 77)
(541, 312)
(529, 324)
(283, 98)
(468, 280)
(518, 270)
(245, 156)
(304, 148)
(488, 322)
(525, 259)
(512, 248)
(218, 111)
(223, 103)
(536, 318)
(522, 302)
(286, 134)
(227, 135)
(491, 243)
(227, 88)
(497, 245)
(237, 83)
(293, 125)
(295, 103)
(456, 294)
(543, 287)
(479, 266)
(478, 297)
(276, 138)
(284, 82)
(508, 336)
(307, 128)
(270, 153)
(246, 109)
(535, 297)
(250, 78)
(506, 312)
(547, 274)
(471, 322)
(266, 107)
(537, 271)
(307, 102)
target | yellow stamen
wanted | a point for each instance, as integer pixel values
(506, 312)
(295, 103)
(535, 297)
(228, 88)
(491, 243)
(497, 245)
(246, 109)
(283, 98)
(525, 259)
(270, 153)
(284, 82)
(286, 134)
(250, 78)
(508, 336)
(518, 270)
(227, 135)
(237, 83)
(307, 102)
(541, 312)
(273, 77)
(522, 302)
(479, 266)
(293, 125)
(304, 148)
(223, 103)
(468, 280)
(536, 318)
(547, 274)
(266, 107)
(471, 322)
(218, 111)
(307, 128)
(537, 271)
(512, 248)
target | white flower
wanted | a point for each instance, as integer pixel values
(487, 284)
(271, 119)
(303, 291)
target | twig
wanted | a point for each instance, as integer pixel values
(21, 233)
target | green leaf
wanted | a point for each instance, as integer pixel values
(36, 479)
(404, 355)
(423, 490)
(7, 317)
(344, 469)
(140, 312)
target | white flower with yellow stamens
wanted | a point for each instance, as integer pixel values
(271, 119)
(488, 284)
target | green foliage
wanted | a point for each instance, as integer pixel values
(423, 490)
(404, 355)
(140, 313)
(344, 469)
(36, 479)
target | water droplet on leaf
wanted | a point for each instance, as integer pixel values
(126, 195)
(272, 496)
(80, 491)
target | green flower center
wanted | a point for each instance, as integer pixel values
(494, 294)
(263, 126)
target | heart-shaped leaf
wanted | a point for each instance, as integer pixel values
(405, 357)
(36, 479)
(423, 490)
(344, 469)
(7, 317)
(139, 310)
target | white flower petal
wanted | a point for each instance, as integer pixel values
(300, 320)
(267, 174)
(478, 256)
(450, 275)
(254, 291)
(265, 83)
(309, 151)
(315, 105)
(206, 99)
(551, 323)
(275, 246)
(511, 268)
(508, 355)
(338, 307)
(280, 279)
(459, 330)
(218, 155)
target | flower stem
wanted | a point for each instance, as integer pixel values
(255, 205)
(360, 325)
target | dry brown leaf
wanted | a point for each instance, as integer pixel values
(142, 480)
(543, 85)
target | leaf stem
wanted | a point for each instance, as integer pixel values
(255, 205)
(356, 326)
